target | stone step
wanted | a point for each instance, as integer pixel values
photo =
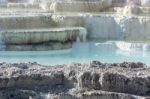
(26, 21)
(15, 1)
(80, 6)
(23, 1)
(31, 20)
(36, 36)
(104, 26)
(22, 6)
(33, 4)
(17, 12)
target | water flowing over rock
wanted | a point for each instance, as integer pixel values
(133, 46)
(104, 19)
(103, 26)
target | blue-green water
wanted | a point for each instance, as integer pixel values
(81, 52)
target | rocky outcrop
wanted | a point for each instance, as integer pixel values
(34, 36)
(76, 81)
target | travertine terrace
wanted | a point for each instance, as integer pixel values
(57, 24)
(71, 20)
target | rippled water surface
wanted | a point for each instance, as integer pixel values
(81, 52)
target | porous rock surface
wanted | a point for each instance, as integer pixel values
(75, 81)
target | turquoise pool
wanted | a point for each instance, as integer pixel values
(81, 52)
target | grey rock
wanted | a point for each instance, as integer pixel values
(116, 82)
(77, 81)
(85, 80)
(132, 65)
(95, 81)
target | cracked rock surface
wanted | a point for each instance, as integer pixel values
(75, 81)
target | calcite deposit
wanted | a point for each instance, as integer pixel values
(43, 35)
(32, 24)
(75, 81)
(102, 19)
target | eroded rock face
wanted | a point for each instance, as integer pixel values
(77, 81)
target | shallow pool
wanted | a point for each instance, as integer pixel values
(81, 52)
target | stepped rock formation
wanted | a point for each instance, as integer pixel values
(104, 19)
(55, 25)
(76, 81)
